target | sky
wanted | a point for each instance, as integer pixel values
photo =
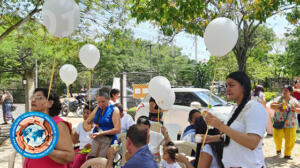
(146, 31)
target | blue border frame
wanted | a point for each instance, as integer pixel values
(15, 125)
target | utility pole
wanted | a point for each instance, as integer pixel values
(150, 51)
(173, 72)
(196, 51)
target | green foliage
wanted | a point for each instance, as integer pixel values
(292, 61)
(203, 75)
(192, 17)
(132, 111)
(224, 66)
(270, 95)
(120, 52)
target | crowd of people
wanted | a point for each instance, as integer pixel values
(236, 143)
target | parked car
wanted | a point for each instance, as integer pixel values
(131, 102)
(186, 100)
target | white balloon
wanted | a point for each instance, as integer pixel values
(89, 56)
(220, 36)
(68, 73)
(61, 17)
(157, 84)
(166, 99)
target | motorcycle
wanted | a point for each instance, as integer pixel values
(75, 106)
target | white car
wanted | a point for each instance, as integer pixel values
(186, 100)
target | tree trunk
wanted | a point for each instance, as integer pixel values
(29, 88)
(241, 57)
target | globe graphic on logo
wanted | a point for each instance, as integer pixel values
(34, 135)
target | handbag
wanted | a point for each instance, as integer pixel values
(280, 124)
(13, 107)
(100, 145)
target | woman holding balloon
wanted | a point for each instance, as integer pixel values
(245, 129)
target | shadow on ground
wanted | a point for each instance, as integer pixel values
(277, 161)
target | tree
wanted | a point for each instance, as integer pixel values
(192, 17)
(293, 54)
(102, 14)
(19, 50)
(203, 75)
(120, 52)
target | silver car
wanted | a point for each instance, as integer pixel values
(186, 100)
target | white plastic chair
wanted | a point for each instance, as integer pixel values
(12, 158)
(122, 138)
(173, 129)
(155, 126)
(98, 162)
(185, 147)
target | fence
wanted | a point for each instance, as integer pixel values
(136, 87)
(18, 95)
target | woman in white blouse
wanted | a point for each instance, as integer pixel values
(245, 129)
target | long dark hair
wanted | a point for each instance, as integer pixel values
(217, 147)
(55, 109)
(192, 112)
(244, 81)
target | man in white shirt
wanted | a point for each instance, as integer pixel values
(154, 138)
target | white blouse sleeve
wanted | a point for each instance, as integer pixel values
(207, 149)
(256, 119)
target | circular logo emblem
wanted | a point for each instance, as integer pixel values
(34, 134)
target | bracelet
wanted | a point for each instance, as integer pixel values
(221, 136)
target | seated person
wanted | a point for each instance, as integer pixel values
(153, 111)
(211, 154)
(83, 137)
(126, 119)
(114, 96)
(154, 138)
(170, 151)
(189, 133)
(136, 143)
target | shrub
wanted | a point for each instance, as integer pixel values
(132, 111)
(270, 95)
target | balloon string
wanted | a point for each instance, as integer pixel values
(209, 106)
(68, 105)
(90, 83)
(206, 132)
(52, 72)
(51, 78)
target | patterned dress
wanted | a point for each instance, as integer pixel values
(285, 111)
